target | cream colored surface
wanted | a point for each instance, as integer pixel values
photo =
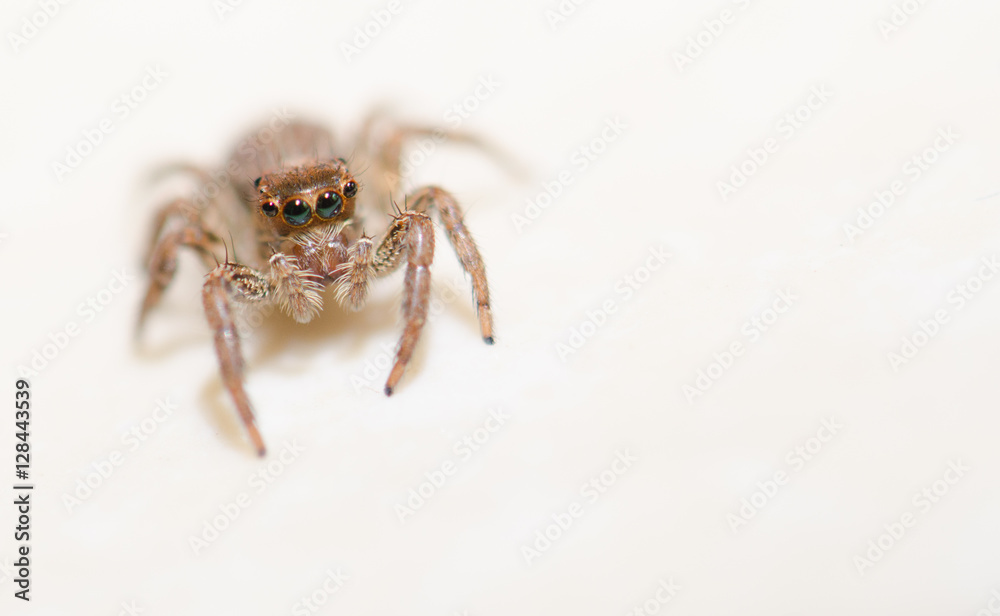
(668, 535)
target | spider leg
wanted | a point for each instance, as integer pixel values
(411, 233)
(461, 240)
(179, 208)
(175, 226)
(384, 148)
(226, 284)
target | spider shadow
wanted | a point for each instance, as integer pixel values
(350, 330)
(280, 333)
(148, 352)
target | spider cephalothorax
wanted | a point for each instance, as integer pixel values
(306, 196)
(299, 212)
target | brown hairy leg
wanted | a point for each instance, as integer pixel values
(432, 197)
(227, 284)
(412, 233)
(184, 228)
(384, 150)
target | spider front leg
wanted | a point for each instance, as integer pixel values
(228, 283)
(287, 284)
(411, 233)
(414, 233)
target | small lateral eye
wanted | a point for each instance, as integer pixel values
(329, 204)
(296, 212)
(256, 183)
(270, 209)
(350, 189)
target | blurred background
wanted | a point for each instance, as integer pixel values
(744, 289)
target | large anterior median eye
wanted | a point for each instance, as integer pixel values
(296, 212)
(329, 204)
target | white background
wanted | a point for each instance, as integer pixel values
(675, 513)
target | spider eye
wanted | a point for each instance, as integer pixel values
(270, 209)
(256, 183)
(329, 204)
(350, 189)
(296, 212)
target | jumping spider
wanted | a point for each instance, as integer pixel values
(291, 208)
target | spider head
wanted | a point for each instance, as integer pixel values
(300, 198)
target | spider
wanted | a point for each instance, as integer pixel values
(291, 206)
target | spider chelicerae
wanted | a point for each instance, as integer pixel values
(291, 211)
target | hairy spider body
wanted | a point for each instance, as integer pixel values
(295, 222)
